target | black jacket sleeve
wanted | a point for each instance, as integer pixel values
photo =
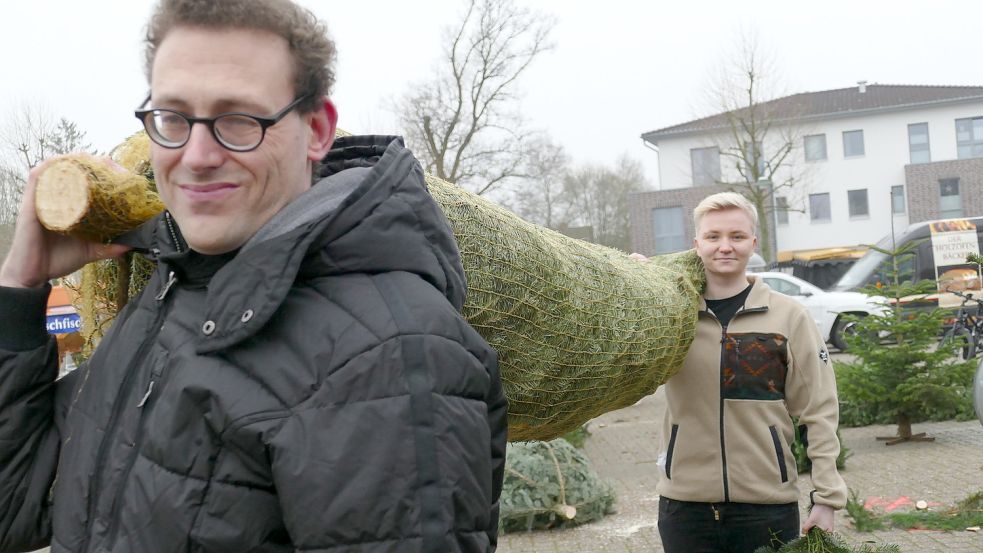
(29, 438)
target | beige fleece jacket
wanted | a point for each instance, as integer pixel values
(728, 429)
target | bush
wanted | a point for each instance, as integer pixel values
(803, 463)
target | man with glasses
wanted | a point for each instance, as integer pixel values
(296, 375)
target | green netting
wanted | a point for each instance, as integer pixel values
(116, 198)
(550, 485)
(106, 285)
(580, 329)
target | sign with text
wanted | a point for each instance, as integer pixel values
(952, 241)
(63, 324)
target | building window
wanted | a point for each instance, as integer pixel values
(897, 199)
(706, 166)
(781, 211)
(754, 153)
(950, 202)
(918, 143)
(853, 143)
(969, 137)
(858, 203)
(819, 211)
(669, 229)
(815, 147)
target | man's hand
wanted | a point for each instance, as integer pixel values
(38, 255)
(821, 516)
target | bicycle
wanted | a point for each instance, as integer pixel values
(968, 327)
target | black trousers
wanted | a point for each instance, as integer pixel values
(690, 527)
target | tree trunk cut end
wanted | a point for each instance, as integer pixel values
(62, 195)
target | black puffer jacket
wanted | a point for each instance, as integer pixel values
(322, 393)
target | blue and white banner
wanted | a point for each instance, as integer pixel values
(63, 324)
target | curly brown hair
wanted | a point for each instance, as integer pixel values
(312, 49)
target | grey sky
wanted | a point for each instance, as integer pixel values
(620, 67)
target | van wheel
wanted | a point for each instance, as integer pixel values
(843, 328)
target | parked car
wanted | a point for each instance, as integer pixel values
(828, 309)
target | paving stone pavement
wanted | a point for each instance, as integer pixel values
(623, 448)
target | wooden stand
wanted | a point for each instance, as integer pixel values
(904, 434)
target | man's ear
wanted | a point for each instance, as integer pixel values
(324, 121)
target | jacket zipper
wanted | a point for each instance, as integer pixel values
(172, 231)
(118, 405)
(779, 454)
(672, 445)
(723, 444)
(723, 350)
(156, 375)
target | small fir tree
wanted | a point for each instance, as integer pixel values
(906, 376)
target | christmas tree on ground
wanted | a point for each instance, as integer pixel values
(901, 371)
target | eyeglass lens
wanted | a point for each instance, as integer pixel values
(238, 131)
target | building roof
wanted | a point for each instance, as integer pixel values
(829, 104)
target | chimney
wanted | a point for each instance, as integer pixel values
(862, 86)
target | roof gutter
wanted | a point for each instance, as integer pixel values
(654, 146)
(654, 136)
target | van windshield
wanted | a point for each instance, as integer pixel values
(859, 274)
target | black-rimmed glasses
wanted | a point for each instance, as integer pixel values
(236, 131)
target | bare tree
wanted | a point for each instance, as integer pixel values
(27, 138)
(600, 198)
(11, 189)
(761, 136)
(464, 122)
(540, 197)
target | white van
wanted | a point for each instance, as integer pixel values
(941, 256)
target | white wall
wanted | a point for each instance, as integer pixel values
(880, 168)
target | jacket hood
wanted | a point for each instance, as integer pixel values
(369, 211)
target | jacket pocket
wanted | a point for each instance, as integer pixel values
(755, 366)
(672, 445)
(779, 453)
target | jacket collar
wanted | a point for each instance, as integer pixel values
(758, 299)
(245, 293)
(760, 295)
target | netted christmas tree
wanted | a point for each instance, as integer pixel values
(580, 329)
(550, 485)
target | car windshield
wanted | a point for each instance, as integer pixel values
(860, 272)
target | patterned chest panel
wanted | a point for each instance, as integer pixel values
(755, 366)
